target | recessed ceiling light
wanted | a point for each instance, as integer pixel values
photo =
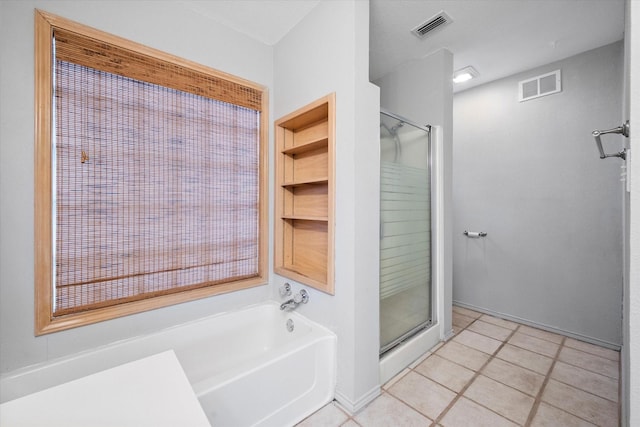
(465, 74)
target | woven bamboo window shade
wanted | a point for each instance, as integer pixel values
(157, 180)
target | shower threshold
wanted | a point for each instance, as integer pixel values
(403, 338)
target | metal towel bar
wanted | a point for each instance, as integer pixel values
(474, 234)
(623, 130)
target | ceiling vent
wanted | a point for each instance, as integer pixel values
(434, 23)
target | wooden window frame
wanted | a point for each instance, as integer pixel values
(45, 322)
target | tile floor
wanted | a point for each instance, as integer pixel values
(494, 373)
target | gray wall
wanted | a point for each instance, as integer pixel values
(529, 174)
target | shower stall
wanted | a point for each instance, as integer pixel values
(406, 245)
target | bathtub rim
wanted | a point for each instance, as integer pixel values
(42, 375)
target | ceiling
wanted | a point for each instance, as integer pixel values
(264, 20)
(497, 37)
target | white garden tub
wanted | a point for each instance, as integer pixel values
(252, 371)
(245, 366)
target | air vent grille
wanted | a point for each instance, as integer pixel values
(542, 85)
(438, 21)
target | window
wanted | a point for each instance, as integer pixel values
(150, 178)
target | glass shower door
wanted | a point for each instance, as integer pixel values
(405, 230)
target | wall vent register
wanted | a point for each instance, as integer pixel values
(542, 85)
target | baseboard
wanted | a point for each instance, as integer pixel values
(542, 326)
(351, 407)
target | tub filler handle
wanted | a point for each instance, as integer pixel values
(285, 290)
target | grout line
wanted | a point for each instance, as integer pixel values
(538, 398)
(476, 375)
(590, 370)
(536, 404)
(399, 399)
(538, 401)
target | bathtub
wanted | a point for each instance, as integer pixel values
(253, 371)
(256, 366)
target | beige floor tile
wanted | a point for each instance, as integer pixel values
(456, 329)
(593, 349)
(590, 362)
(581, 404)
(424, 395)
(447, 373)
(500, 322)
(463, 355)
(328, 416)
(514, 376)
(548, 416)
(478, 341)
(506, 401)
(597, 384)
(460, 320)
(350, 423)
(466, 413)
(490, 330)
(539, 333)
(525, 358)
(534, 344)
(387, 411)
(466, 312)
(395, 379)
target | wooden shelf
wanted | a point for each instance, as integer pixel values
(305, 218)
(305, 162)
(308, 146)
(312, 181)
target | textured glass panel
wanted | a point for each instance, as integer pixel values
(405, 230)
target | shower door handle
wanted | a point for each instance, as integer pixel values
(623, 130)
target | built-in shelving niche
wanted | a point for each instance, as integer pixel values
(304, 226)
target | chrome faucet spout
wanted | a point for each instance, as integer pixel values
(288, 305)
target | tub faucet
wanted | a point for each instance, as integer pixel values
(300, 297)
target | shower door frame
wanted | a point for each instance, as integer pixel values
(433, 318)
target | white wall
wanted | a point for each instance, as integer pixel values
(422, 92)
(529, 174)
(165, 25)
(631, 346)
(328, 52)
